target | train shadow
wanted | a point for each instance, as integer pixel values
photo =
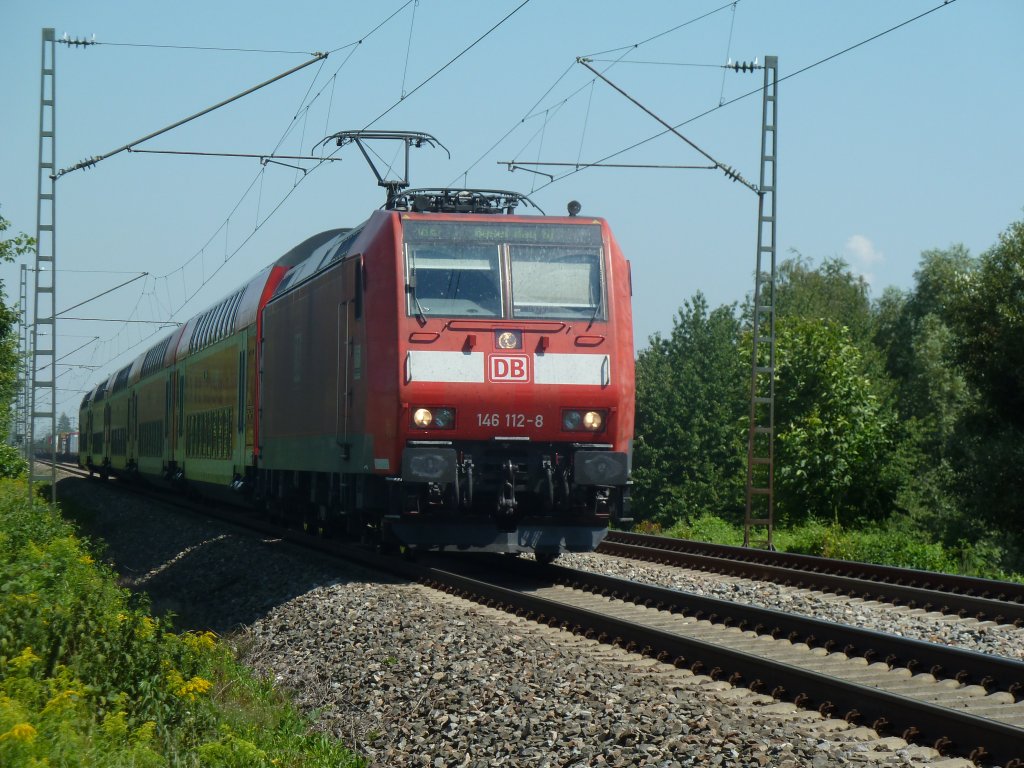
(204, 573)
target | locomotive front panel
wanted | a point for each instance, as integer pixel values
(517, 384)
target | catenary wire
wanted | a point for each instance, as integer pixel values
(756, 90)
(202, 48)
(666, 32)
(451, 61)
(625, 50)
(728, 52)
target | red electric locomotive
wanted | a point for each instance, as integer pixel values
(447, 375)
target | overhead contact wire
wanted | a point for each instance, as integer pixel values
(625, 51)
(754, 91)
(728, 52)
(204, 48)
(451, 61)
(408, 47)
(666, 32)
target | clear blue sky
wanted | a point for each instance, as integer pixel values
(907, 143)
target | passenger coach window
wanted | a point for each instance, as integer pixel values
(453, 280)
(556, 281)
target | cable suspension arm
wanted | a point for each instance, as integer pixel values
(264, 158)
(518, 165)
(93, 160)
(727, 170)
(168, 323)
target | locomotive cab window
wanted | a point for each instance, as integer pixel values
(556, 281)
(454, 280)
(514, 270)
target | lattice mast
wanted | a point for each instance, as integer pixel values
(24, 372)
(760, 510)
(42, 413)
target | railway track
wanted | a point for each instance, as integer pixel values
(956, 701)
(982, 599)
(960, 702)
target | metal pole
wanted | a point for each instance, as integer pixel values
(24, 361)
(42, 412)
(760, 510)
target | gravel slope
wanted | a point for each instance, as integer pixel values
(413, 677)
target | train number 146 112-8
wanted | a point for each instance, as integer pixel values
(509, 420)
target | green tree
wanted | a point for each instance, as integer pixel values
(987, 316)
(988, 313)
(912, 330)
(10, 249)
(932, 396)
(829, 292)
(834, 435)
(691, 417)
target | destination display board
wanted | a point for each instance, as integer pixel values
(512, 233)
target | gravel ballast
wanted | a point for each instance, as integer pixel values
(410, 676)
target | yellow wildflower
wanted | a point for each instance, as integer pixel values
(146, 628)
(144, 733)
(25, 659)
(65, 698)
(194, 688)
(200, 641)
(20, 732)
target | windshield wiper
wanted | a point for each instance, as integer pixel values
(410, 288)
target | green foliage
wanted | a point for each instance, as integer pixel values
(889, 543)
(691, 400)
(709, 528)
(886, 544)
(11, 462)
(952, 345)
(909, 410)
(87, 678)
(830, 292)
(919, 345)
(989, 317)
(10, 249)
(833, 432)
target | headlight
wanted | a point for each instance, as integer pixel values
(583, 421)
(433, 418)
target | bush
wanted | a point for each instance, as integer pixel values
(88, 678)
(709, 528)
(884, 544)
(11, 462)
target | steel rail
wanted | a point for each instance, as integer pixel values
(948, 730)
(942, 661)
(983, 599)
(967, 585)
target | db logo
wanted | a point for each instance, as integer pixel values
(508, 368)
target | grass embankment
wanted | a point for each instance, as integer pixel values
(891, 544)
(89, 678)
